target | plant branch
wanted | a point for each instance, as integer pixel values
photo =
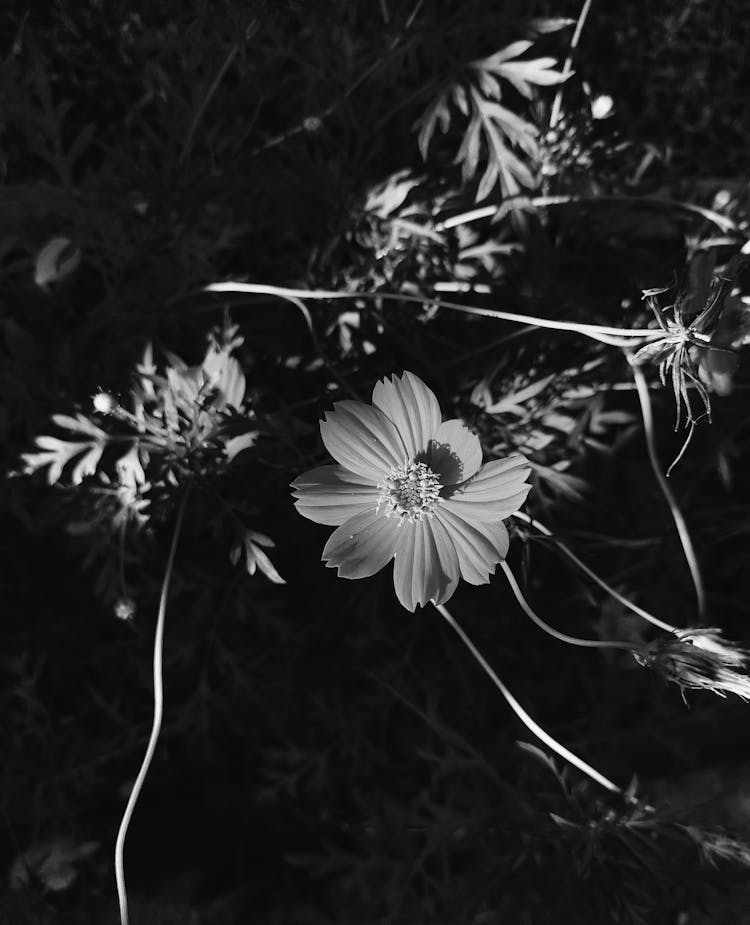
(530, 724)
(475, 215)
(614, 336)
(556, 634)
(648, 427)
(561, 547)
(157, 718)
(568, 66)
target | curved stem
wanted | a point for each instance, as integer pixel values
(648, 428)
(157, 719)
(530, 724)
(475, 215)
(556, 634)
(561, 547)
(614, 336)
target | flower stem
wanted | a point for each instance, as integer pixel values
(568, 66)
(476, 215)
(556, 634)
(157, 718)
(530, 724)
(519, 515)
(648, 428)
(614, 336)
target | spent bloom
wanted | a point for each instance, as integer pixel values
(700, 659)
(410, 487)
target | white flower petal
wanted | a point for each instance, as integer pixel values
(332, 494)
(455, 453)
(426, 566)
(362, 546)
(412, 407)
(362, 439)
(479, 546)
(409, 553)
(447, 561)
(495, 492)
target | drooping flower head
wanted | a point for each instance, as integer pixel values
(700, 659)
(410, 487)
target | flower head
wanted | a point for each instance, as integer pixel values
(410, 487)
(700, 659)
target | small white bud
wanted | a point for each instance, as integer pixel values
(602, 106)
(104, 403)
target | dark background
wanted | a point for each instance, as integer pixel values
(327, 757)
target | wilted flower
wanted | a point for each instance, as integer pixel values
(717, 846)
(700, 659)
(410, 487)
(699, 343)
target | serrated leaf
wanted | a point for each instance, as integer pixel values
(438, 112)
(87, 464)
(235, 445)
(57, 259)
(510, 51)
(255, 558)
(78, 424)
(266, 566)
(458, 95)
(546, 24)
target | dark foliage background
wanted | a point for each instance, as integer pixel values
(327, 757)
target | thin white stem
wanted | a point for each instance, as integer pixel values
(568, 66)
(519, 515)
(530, 724)
(679, 521)
(476, 215)
(157, 719)
(556, 634)
(610, 335)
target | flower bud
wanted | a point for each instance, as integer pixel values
(104, 403)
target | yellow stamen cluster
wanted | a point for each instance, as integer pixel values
(411, 492)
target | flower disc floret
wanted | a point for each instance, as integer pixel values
(411, 492)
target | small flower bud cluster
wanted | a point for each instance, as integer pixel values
(411, 492)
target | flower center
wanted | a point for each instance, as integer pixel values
(410, 492)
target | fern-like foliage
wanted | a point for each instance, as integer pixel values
(497, 141)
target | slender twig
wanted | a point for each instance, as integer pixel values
(530, 724)
(158, 714)
(568, 66)
(188, 143)
(313, 123)
(561, 547)
(610, 335)
(679, 521)
(475, 215)
(556, 634)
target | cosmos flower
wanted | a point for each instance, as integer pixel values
(410, 487)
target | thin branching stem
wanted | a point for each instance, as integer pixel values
(475, 215)
(566, 551)
(157, 718)
(568, 66)
(530, 723)
(617, 337)
(648, 428)
(550, 630)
